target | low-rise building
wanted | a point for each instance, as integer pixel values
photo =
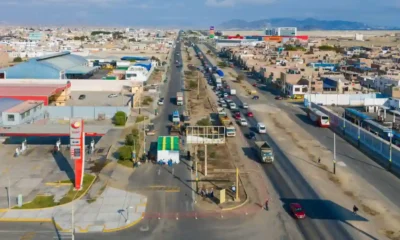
(14, 112)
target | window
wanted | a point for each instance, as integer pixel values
(296, 89)
(27, 113)
(11, 117)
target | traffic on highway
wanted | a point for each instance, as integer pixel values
(281, 172)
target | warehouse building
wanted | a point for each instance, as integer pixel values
(49, 94)
(62, 65)
(14, 112)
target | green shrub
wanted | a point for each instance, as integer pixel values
(204, 122)
(120, 118)
(125, 153)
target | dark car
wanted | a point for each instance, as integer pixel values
(255, 97)
(278, 98)
(81, 97)
(251, 136)
(297, 210)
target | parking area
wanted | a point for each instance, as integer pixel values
(98, 99)
(28, 173)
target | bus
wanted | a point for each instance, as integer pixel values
(318, 117)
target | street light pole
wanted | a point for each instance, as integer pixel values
(334, 153)
(9, 192)
(72, 221)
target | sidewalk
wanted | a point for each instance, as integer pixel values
(106, 214)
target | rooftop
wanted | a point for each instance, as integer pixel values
(8, 90)
(24, 106)
(7, 103)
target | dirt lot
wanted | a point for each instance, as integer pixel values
(221, 168)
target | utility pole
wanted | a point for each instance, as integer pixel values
(144, 137)
(334, 153)
(205, 159)
(198, 85)
(72, 221)
(390, 147)
(237, 185)
(309, 91)
(9, 191)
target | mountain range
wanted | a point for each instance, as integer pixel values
(303, 25)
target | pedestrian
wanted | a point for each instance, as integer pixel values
(206, 192)
(212, 193)
(355, 209)
(319, 160)
(266, 204)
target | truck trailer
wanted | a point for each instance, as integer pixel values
(179, 98)
(264, 151)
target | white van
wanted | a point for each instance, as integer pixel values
(261, 128)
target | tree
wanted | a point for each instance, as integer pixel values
(240, 77)
(204, 122)
(17, 59)
(208, 51)
(129, 140)
(120, 118)
(125, 153)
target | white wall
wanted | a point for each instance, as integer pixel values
(77, 85)
(347, 99)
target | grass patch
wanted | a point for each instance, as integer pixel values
(147, 100)
(334, 179)
(126, 163)
(65, 181)
(141, 119)
(48, 201)
(392, 234)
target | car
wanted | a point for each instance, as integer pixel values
(249, 114)
(82, 96)
(221, 100)
(243, 122)
(232, 105)
(245, 106)
(261, 128)
(160, 101)
(254, 84)
(112, 95)
(255, 97)
(150, 130)
(226, 95)
(278, 98)
(238, 116)
(228, 100)
(297, 210)
(251, 136)
(224, 105)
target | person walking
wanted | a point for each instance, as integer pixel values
(266, 204)
(355, 209)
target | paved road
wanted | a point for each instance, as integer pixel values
(291, 186)
(357, 161)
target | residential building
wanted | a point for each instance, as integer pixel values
(36, 36)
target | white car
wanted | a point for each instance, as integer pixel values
(261, 128)
(225, 95)
(232, 105)
(160, 101)
(243, 122)
(113, 95)
(245, 106)
(228, 101)
(224, 105)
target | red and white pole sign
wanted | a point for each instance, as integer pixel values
(77, 143)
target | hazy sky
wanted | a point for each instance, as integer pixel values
(199, 13)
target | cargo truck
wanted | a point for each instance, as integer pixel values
(230, 130)
(264, 151)
(179, 98)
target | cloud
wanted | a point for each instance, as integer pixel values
(231, 3)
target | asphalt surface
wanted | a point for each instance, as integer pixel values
(360, 163)
(322, 221)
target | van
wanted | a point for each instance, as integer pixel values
(261, 128)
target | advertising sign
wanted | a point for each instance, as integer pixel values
(77, 149)
(212, 28)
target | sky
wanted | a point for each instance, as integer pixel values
(191, 13)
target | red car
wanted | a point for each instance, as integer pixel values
(254, 84)
(237, 116)
(250, 114)
(297, 210)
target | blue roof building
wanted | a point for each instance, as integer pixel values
(62, 65)
(146, 65)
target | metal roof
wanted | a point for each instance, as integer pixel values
(168, 143)
(80, 70)
(47, 67)
(30, 90)
(7, 103)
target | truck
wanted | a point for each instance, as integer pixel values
(230, 130)
(264, 151)
(233, 91)
(179, 98)
(175, 128)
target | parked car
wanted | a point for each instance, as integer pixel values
(112, 95)
(297, 210)
(278, 98)
(224, 105)
(238, 116)
(160, 101)
(82, 96)
(255, 97)
(245, 106)
(250, 114)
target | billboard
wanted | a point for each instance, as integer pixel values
(212, 33)
(77, 149)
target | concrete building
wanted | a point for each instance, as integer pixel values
(291, 76)
(53, 94)
(14, 112)
(36, 36)
(281, 31)
(56, 66)
(139, 72)
(382, 82)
